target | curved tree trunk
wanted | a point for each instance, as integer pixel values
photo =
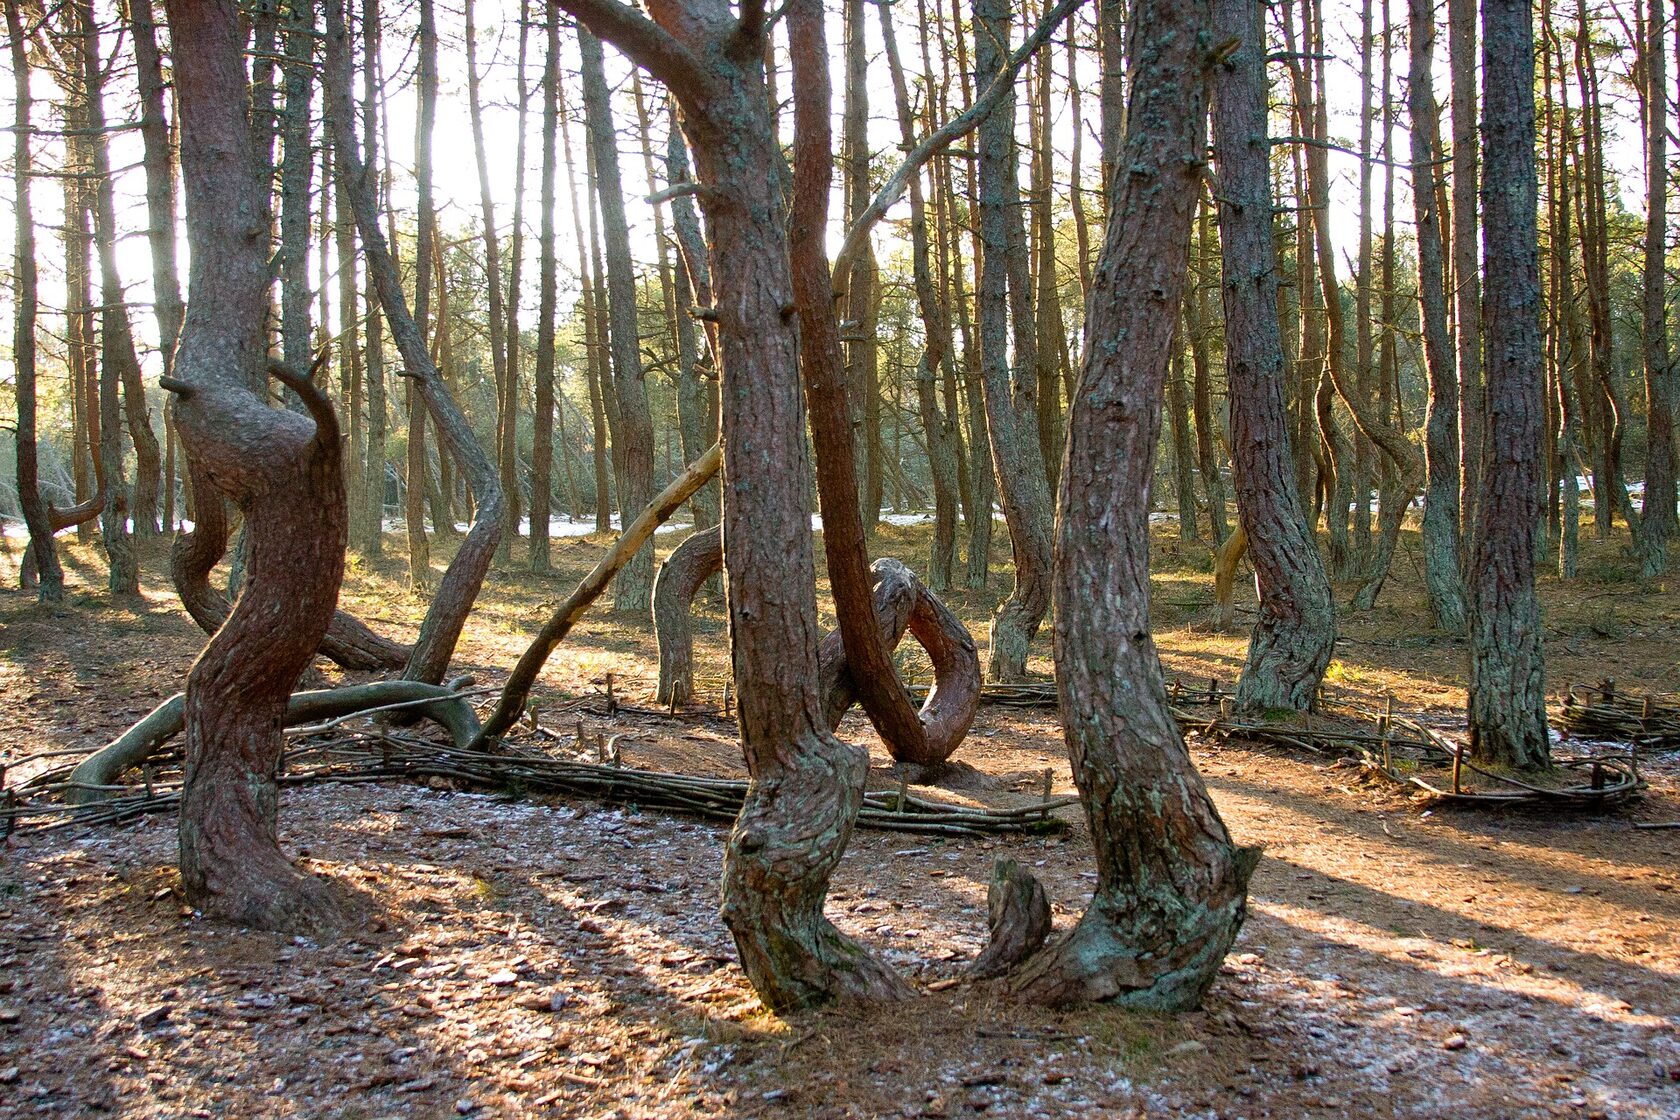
(285, 475)
(1296, 632)
(693, 562)
(823, 368)
(1507, 705)
(1172, 890)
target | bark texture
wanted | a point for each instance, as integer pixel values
(1507, 705)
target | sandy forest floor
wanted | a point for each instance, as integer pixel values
(562, 958)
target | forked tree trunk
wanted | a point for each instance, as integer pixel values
(1296, 631)
(43, 552)
(1011, 410)
(1172, 890)
(1507, 705)
(1441, 568)
(282, 471)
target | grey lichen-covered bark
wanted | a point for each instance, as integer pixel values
(1296, 631)
(1172, 889)
(1507, 705)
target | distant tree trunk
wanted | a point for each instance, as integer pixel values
(1197, 321)
(1466, 268)
(1172, 890)
(862, 287)
(695, 413)
(160, 189)
(1296, 632)
(935, 363)
(1507, 706)
(1184, 476)
(512, 397)
(1662, 379)
(1051, 337)
(1569, 344)
(1609, 482)
(507, 399)
(690, 564)
(426, 81)
(1365, 359)
(458, 590)
(1011, 408)
(285, 475)
(542, 428)
(633, 442)
(43, 551)
(297, 166)
(119, 368)
(591, 318)
(1442, 570)
(372, 531)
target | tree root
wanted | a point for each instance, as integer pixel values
(92, 778)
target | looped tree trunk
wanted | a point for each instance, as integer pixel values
(58, 520)
(349, 642)
(694, 561)
(901, 603)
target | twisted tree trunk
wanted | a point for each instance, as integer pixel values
(284, 474)
(1172, 890)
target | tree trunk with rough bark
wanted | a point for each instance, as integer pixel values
(1296, 631)
(805, 785)
(1507, 705)
(1172, 889)
(1466, 267)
